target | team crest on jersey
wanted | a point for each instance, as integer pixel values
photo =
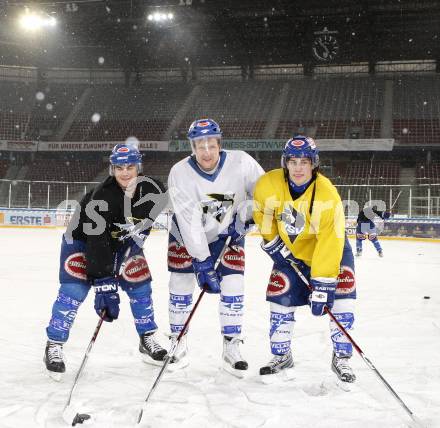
(346, 283)
(136, 269)
(234, 258)
(217, 205)
(293, 221)
(123, 150)
(75, 265)
(133, 228)
(178, 257)
(279, 283)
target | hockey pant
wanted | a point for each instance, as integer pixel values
(181, 288)
(135, 281)
(282, 319)
(364, 231)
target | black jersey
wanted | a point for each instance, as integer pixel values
(102, 214)
(368, 215)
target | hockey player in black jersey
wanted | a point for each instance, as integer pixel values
(108, 230)
(366, 228)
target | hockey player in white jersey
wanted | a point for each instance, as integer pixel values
(211, 193)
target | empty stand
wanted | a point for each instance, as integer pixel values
(241, 108)
(416, 109)
(143, 112)
(333, 108)
(428, 173)
(52, 106)
(15, 109)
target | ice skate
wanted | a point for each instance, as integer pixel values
(358, 253)
(342, 369)
(152, 352)
(380, 253)
(179, 360)
(54, 360)
(279, 368)
(233, 362)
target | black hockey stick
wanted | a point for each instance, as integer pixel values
(70, 415)
(182, 332)
(370, 365)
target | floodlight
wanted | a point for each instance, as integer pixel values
(31, 21)
(160, 17)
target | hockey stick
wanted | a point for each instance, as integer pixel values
(415, 419)
(71, 416)
(182, 332)
(397, 198)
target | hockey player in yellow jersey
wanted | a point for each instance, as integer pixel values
(301, 219)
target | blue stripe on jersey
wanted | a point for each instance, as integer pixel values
(210, 177)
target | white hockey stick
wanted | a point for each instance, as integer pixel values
(182, 332)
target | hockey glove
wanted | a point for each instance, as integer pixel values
(106, 298)
(207, 277)
(323, 295)
(237, 229)
(279, 253)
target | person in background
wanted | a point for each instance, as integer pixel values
(366, 228)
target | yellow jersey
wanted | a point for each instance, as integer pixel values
(311, 226)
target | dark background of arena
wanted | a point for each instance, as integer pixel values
(335, 70)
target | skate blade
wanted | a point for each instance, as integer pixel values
(344, 386)
(56, 376)
(240, 374)
(148, 360)
(178, 365)
(285, 375)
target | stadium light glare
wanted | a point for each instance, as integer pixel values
(160, 17)
(31, 21)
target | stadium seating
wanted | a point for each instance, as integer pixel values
(65, 166)
(4, 165)
(241, 108)
(416, 110)
(376, 172)
(144, 112)
(15, 109)
(333, 108)
(52, 106)
(428, 173)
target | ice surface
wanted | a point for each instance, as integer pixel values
(396, 328)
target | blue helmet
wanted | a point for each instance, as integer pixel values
(301, 146)
(204, 128)
(125, 154)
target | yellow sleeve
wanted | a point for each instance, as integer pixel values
(265, 202)
(330, 237)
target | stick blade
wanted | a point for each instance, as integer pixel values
(72, 417)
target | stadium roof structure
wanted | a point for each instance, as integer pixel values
(222, 32)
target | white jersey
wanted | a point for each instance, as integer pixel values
(205, 204)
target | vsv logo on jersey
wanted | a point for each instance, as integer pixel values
(217, 206)
(136, 269)
(75, 265)
(293, 221)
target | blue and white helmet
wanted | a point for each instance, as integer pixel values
(203, 128)
(125, 154)
(300, 146)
